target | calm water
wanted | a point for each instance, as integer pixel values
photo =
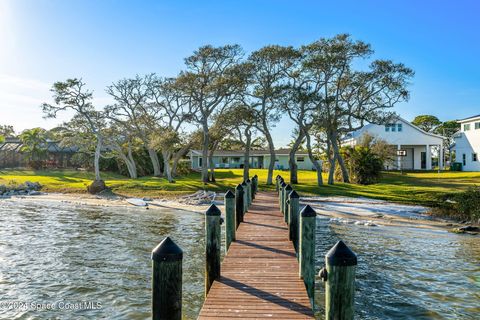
(57, 252)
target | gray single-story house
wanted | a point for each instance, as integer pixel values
(259, 159)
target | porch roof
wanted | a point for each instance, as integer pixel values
(253, 153)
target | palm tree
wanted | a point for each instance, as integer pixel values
(34, 146)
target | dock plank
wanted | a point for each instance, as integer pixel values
(259, 274)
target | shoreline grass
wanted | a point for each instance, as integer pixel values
(413, 187)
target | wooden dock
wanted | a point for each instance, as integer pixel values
(259, 275)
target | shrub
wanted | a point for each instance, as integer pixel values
(463, 205)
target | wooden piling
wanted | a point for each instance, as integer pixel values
(249, 192)
(212, 246)
(282, 196)
(288, 189)
(293, 218)
(238, 205)
(255, 186)
(245, 197)
(230, 226)
(307, 249)
(340, 264)
(167, 281)
(277, 183)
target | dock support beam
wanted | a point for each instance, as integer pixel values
(167, 281)
(340, 264)
(212, 246)
(307, 250)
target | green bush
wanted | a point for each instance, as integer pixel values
(462, 205)
(365, 166)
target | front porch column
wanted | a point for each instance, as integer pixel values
(440, 159)
(399, 159)
(429, 157)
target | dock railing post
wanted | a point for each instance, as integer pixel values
(307, 249)
(229, 219)
(277, 183)
(282, 196)
(238, 205)
(167, 281)
(293, 218)
(245, 197)
(288, 189)
(339, 275)
(254, 186)
(212, 246)
(249, 192)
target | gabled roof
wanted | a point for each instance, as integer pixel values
(470, 118)
(360, 131)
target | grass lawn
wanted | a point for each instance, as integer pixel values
(412, 187)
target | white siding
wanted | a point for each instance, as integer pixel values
(468, 143)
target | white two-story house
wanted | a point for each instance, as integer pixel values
(415, 145)
(467, 143)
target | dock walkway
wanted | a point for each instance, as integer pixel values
(259, 274)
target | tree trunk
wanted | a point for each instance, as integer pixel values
(206, 142)
(336, 150)
(271, 166)
(166, 165)
(292, 164)
(133, 165)
(316, 164)
(331, 159)
(178, 155)
(96, 163)
(246, 160)
(157, 172)
(211, 165)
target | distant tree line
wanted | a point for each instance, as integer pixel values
(226, 99)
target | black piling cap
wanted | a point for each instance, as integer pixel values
(248, 180)
(277, 177)
(229, 194)
(308, 212)
(255, 176)
(244, 183)
(167, 250)
(341, 255)
(239, 187)
(213, 211)
(288, 187)
(294, 194)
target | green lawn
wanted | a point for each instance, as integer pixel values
(413, 187)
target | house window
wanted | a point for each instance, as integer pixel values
(464, 159)
(477, 125)
(474, 157)
(393, 127)
(225, 160)
(300, 159)
(466, 127)
(236, 159)
(399, 127)
(200, 162)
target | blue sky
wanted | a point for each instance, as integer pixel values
(42, 41)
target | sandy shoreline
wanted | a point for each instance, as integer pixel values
(341, 209)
